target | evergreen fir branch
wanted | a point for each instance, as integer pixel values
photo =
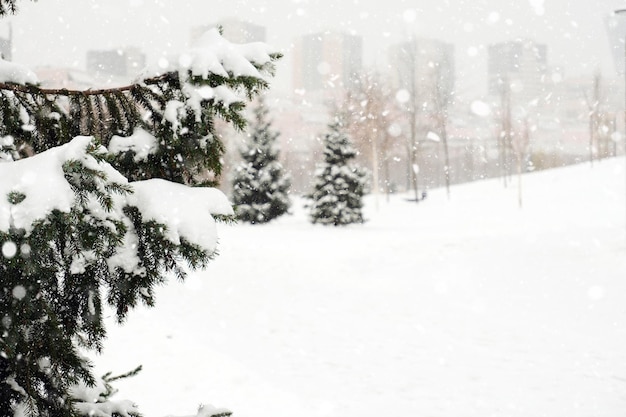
(100, 116)
(130, 111)
(222, 414)
(117, 111)
(76, 115)
(229, 220)
(117, 120)
(89, 110)
(7, 7)
(64, 92)
(148, 100)
(128, 374)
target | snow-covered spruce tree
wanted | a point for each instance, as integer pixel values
(260, 187)
(339, 185)
(100, 202)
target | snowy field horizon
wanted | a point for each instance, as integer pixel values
(447, 308)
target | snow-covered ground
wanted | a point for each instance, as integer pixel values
(467, 307)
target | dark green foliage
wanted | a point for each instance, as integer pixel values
(7, 7)
(48, 310)
(58, 274)
(339, 184)
(108, 378)
(260, 186)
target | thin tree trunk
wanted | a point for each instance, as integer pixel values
(519, 181)
(446, 168)
(375, 186)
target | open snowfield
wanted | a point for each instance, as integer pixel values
(467, 307)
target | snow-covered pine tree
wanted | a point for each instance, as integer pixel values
(339, 185)
(260, 186)
(101, 200)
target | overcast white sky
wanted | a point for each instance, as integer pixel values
(58, 32)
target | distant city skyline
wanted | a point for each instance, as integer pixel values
(59, 32)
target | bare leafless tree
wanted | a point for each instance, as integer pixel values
(372, 109)
(505, 128)
(593, 105)
(520, 143)
(441, 102)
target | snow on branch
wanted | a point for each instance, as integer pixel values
(188, 211)
(11, 72)
(207, 410)
(34, 187)
(212, 54)
(140, 143)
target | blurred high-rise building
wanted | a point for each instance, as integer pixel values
(519, 65)
(327, 63)
(616, 31)
(424, 67)
(234, 30)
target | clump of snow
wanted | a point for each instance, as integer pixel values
(207, 410)
(80, 262)
(140, 142)
(172, 110)
(212, 54)
(20, 410)
(91, 402)
(123, 408)
(14, 385)
(186, 211)
(7, 149)
(220, 94)
(125, 256)
(11, 72)
(87, 394)
(7, 140)
(225, 95)
(42, 180)
(44, 364)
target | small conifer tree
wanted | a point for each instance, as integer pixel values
(339, 185)
(260, 187)
(102, 199)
